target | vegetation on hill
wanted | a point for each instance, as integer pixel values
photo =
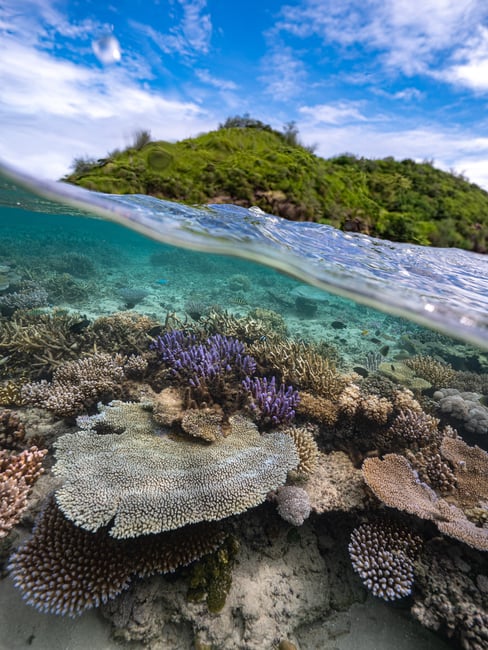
(246, 162)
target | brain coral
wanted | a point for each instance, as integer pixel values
(150, 483)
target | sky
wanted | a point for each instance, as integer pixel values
(373, 78)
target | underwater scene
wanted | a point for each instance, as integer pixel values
(202, 447)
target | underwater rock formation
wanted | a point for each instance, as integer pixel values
(150, 483)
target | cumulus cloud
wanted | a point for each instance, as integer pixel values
(283, 73)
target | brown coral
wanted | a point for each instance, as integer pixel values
(12, 431)
(307, 450)
(205, 424)
(63, 569)
(414, 429)
(438, 373)
(395, 482)
(383, 554)
(78, 385)
(470, 468)
(18, 472)
(316, 408)
(150, 483)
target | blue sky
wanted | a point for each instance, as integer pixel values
(371, 77)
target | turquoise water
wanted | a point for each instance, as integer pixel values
(384, 343)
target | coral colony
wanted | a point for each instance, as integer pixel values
(177, 440)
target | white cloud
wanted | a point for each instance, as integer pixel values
(190, 35)
(65, 110)
(470, 65)
(283, 73)
(409, 37)
(338, 113)
(221, 84)
(450, 149)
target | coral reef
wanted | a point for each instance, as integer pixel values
(18, 472)
(316, 408)
(124, 332)
(272, 405)
(150, 483)
(12, 430)
(307, 449)
(293, 504)
(205, 424)
(438, 373)
(63, 569)
(395, 482)
(463, 407)
(78, 385)
(383, 554)
(335, 484)
(30, 297)
(451, 593)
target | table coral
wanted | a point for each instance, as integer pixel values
(150, 483)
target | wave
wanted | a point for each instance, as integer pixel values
(444, 289)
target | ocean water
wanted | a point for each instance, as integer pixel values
(385, 346)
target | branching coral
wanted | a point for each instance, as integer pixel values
(63, 569)
(414, 429)
(18, 472)
(273, 405)
(302, 365)
(12, 431)
(395, 482)
(319, 409)
(125, 332)
(307, 449)
(40, 342)
(438, 373)
(77, 385)
(383, 555)
(150, 483)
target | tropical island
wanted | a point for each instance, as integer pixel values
(247, 162)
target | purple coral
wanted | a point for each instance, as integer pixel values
(275, 405)
(203, 362)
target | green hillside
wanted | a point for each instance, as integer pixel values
(256, 165)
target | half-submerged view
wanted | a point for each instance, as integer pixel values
(201, 451)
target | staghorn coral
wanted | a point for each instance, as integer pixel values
(383, 554)
(205, 424)
(307, 449)
(293, 504)
(438, 373)
(272, 405)
(302, 365)
(204, 367)
(149, 483)
(63, 569)
(124, 332)
(464, 407)
(12, 431)
(316, 408)
(413, 429)
(39, 342)
(246, 329)
(396, 484)
(78, 385)
(18, 472)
